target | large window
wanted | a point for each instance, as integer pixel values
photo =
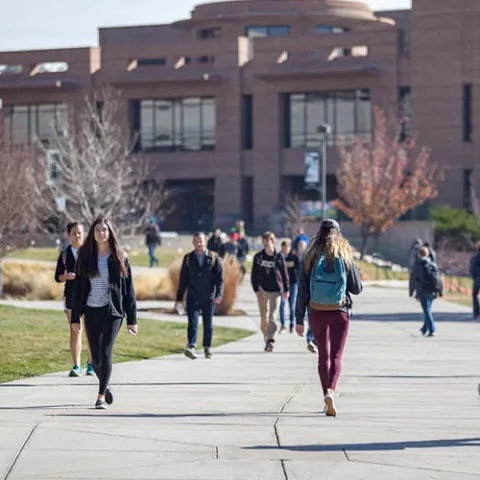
(405, 99)
(349, 114)
(267, 31)
(329, 29)
(181, 124)
(25, 124)
(467, 113)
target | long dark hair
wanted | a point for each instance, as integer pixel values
(333, 244)
(87, 263)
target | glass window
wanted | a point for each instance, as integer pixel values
(345, 113)
(20, 124)
(315, 106)
(163, 124)
(146, 124)
(348, 113)
(253, 32)
(364, 111)
(45, 121)
(329, 29)
(209, 33)
(177, 124)
(151, 62)
(298, 117)
(267, 31)
(279, 31)
(191, 124)
(208, 122)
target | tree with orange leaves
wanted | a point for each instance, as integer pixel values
(382, 179)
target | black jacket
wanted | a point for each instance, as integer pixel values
(122, 301)
(243, 249)
(215, 244)
(62, 269)
(417, 277)
(293, 267)
(259, 273)
(475, 267)
(204, 283)
(354, 287)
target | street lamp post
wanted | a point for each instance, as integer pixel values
(325, 130)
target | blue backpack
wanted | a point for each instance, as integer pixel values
(328, 288)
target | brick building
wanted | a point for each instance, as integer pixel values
(227, 101)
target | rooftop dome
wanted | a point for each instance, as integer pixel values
(324, 8)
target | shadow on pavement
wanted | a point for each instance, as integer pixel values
(379, 447)
(413, 317)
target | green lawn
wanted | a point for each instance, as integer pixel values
(165, 256)
(374, 273)
(34, 342)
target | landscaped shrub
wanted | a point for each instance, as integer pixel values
(232, 275)
(34, 281)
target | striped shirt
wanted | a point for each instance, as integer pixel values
(98, 296)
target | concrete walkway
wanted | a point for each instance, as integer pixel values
(409, 409)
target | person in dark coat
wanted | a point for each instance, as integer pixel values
(215, 243)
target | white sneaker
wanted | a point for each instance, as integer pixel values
(330, 408)
(312, 347)
(190, 353)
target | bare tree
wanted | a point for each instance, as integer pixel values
(292, 217)
(17, 212)
(92, 167)
(383, 179)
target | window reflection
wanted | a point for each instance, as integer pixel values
(349, 113)
(25, 124)
(180, 124)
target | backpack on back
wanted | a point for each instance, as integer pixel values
(431, 281)
(328, 287)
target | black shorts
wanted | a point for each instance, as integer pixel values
(67, 303)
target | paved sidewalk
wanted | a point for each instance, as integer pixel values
(409, 409)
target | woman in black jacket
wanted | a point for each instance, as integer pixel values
(104, 292)
(65, 272)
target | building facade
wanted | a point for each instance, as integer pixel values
(227, 102)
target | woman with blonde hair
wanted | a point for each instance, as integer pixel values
(328, 277)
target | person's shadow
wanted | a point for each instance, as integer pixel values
(374, 447)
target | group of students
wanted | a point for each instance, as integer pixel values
(324, 275)
(99, 287)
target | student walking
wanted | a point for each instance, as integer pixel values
(425, 281)
(242, 252)
(302, 248)
(215, 243)
(292, 263)
(301, 237)
(475, 275)
(153, 239)
(270, 282)
(65, 273)
(329, 277)
(104, 292)
(201, 275)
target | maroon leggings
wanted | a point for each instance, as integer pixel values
(330, 330)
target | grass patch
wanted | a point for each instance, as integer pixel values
(465, 300)
(372, 272)
(35, 342)
(165, 256)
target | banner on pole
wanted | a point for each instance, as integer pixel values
(312, 168)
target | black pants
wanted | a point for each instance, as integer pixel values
(102, 330)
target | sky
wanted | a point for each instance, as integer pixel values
(37, 24)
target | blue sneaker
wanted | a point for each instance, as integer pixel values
(90, 372)
(76, 371)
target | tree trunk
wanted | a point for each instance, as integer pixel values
(363, 247)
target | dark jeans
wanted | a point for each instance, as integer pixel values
(310, 335)
(151, 254)
(102, 330)
(194, 308)
(476, 291)
(426, 300)
(330, 330)
(291, 303)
